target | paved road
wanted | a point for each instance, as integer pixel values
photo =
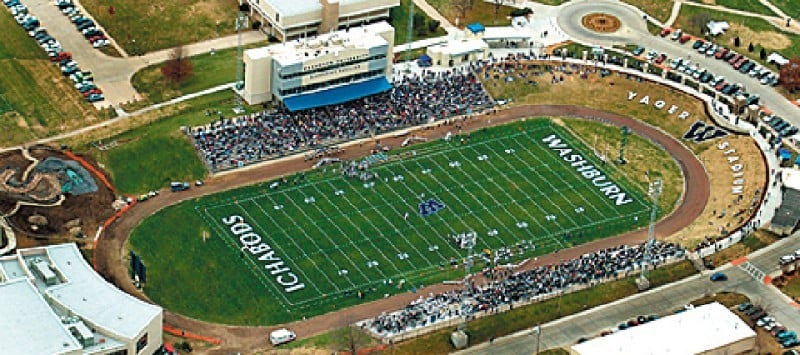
(663, 300)
(634, 30)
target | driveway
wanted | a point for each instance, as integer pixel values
(634, 31)
(663, 300)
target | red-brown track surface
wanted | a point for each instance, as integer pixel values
(110, 249)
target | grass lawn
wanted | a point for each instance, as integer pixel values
(155, 25)
(482, 329)
(756, 241)
(753, 6)
(328, 229)
(658, 9)
(793, 288)
(209, 71)
(481, 11)
(151, 156)
(399, 20)
(758, 31)
(551, 2)
(788, 7)
(643, 156)
(35, 99)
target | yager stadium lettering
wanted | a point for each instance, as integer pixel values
(588, 171)
(253, 244)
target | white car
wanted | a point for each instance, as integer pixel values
(677, 34)
(797, 253)
(765, 321)
(281, 336)
(786, 259)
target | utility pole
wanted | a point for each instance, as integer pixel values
(409, 36)
(654, 191)
(241, 23)
(623, 141)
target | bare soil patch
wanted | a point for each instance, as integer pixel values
(87, 211)
(603, 23)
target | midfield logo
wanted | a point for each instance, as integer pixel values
(700, 132)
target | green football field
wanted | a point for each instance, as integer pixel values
(265, 255)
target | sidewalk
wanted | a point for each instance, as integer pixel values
(432, 13)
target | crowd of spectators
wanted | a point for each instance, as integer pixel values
(415, 99)
(503, 287)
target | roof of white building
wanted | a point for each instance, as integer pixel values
(690, 332)
(301, 50)
(87, 295)
(32, 309)
(295, 7)
(456, 47)
(28, 325)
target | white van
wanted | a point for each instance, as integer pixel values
(281, 336)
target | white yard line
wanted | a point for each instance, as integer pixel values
(226, 240)
(396, 230)
(301, 249)
(366, 237)
(510, 198)
(324, 233)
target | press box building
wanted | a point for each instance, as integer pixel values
(328, 69)
(53, 302)
(290, 19)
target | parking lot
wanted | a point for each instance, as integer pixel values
(110, 74)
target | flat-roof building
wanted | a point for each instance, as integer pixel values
(707, 329)
(53, 302)
(290, 19)
(324, 70)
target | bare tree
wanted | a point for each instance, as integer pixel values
(350, 337)
(497, 4)
(462, 6)
(790, 75)
(179, 66)
(698, 21)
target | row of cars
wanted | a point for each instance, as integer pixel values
(83, 24)
(82, 79)
(738, 61)
(693, 70)
(787, 338)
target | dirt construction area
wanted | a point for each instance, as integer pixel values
(48, 196)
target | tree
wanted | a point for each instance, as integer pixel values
(462, 6)
(763, 54)
(750, 47)
(350, 338)
(736, 42)
(699, 21)
(179, 66)
(790, 75)
(497, 4)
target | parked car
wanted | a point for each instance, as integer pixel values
(718, 276)
(735, 58)
(638, 51)
(665, 31)
(744, 306)
(661, 58)
(684, 39)
(697, 44)
(95, 98)
(677, 34)
(790, 343)
(721, 52)
(675, 63)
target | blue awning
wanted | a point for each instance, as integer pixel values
(476, 27)
(785, 154)
(337, 94)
